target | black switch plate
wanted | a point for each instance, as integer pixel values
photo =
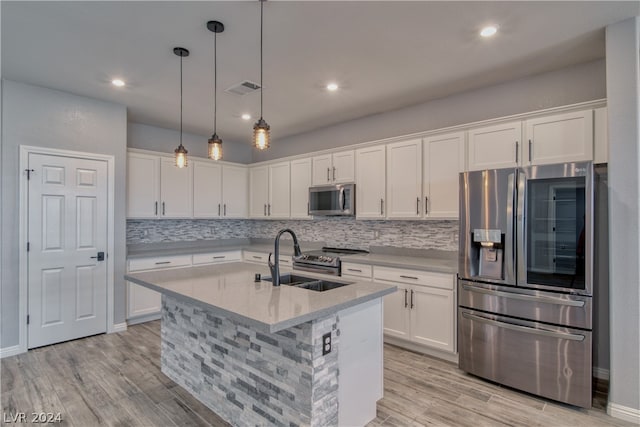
(326, 343)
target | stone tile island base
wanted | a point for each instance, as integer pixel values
(249, 377)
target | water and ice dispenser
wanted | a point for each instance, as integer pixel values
(489, 251)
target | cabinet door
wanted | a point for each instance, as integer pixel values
(560, 138)
(142, 301)
(343, 167)
(279, 189)
(443, 161)
(258, 191)
(300, 183)
(432, 317)
(143, 185)
(176, 190)
(396, 313)
(404, 179)
(496, 146)
(321, 170)
(207, 189)
(370, 182)
(235, 187)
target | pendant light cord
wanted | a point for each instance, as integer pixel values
(181, 100)
(215, 81)
(261, 71)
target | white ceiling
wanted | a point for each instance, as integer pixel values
(385, 55)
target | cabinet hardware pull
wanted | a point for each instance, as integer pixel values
(225, 209)
(257, 257)
(218, 209)
(405, 299)
(269, 209)
(408, 277)
(156, 208)
(328, 175)
(426, 205)
(417, 205)
(334, 173)
(530, 150)
(163, 208)
(354, 269)
(163, 262)
(517, 146)
(411, 298)
(381, 206)
(219, 257)
(265, 209)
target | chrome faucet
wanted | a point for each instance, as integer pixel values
(274, 266)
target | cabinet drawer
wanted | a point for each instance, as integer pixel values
(257, 257)
(159, 262)
(216, 257)
(360, 270)
(414, 277)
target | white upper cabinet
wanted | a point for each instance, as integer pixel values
(370, 182)
(300, 183)
(443, 160)
(333, 168)
(404, 179)
(494, 147)
(279, 190)
(566, 137)
(235, 186)
(207, 189)
(601, 136)
(258, 191)
(143, 185)
(176, 190)
(269, 191)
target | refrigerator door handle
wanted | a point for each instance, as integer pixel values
(525, 329)
(532, 298)
(520, 230)
(509, 256)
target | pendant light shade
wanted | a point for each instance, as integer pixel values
(215, 143)
(261, 128)
(181, 152)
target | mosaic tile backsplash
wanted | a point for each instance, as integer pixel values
(339, 231)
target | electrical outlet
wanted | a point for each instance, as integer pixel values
(376, 234)
(326, 343)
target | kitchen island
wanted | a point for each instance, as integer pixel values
(263, 355)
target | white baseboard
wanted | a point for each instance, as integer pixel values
(624, 413)
(10, 351)
(118, 327)
(440, 354)
(601, 373)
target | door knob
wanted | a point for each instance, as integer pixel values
(99, 257)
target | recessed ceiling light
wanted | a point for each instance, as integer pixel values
(488, 31)
(332, 87)
(246, 116)
(117, 82)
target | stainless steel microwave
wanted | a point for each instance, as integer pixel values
(333, 200)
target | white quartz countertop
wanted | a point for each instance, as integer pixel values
(231, 290)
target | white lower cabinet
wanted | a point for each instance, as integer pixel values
(216, 257)
(422, 310)
(142, 303)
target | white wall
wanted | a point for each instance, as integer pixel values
(38, 116)
(623, 90)
(166, 140)
(570, 85)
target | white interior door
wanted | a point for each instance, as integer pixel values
(67, 228)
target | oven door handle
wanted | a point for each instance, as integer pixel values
(525, 329)
(523, 297)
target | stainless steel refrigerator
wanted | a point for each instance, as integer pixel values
(526, 278)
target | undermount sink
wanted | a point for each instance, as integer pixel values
(310, 283)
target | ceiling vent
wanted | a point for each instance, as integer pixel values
(243, 88)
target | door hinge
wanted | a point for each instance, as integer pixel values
(28, 319)
(29, 171)
(28, 246)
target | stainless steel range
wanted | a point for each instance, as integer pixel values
(326, 260)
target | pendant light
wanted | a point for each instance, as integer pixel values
(261, 128)
(181, 152)
(215, 143)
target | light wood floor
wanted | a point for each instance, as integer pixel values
(116, 380)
